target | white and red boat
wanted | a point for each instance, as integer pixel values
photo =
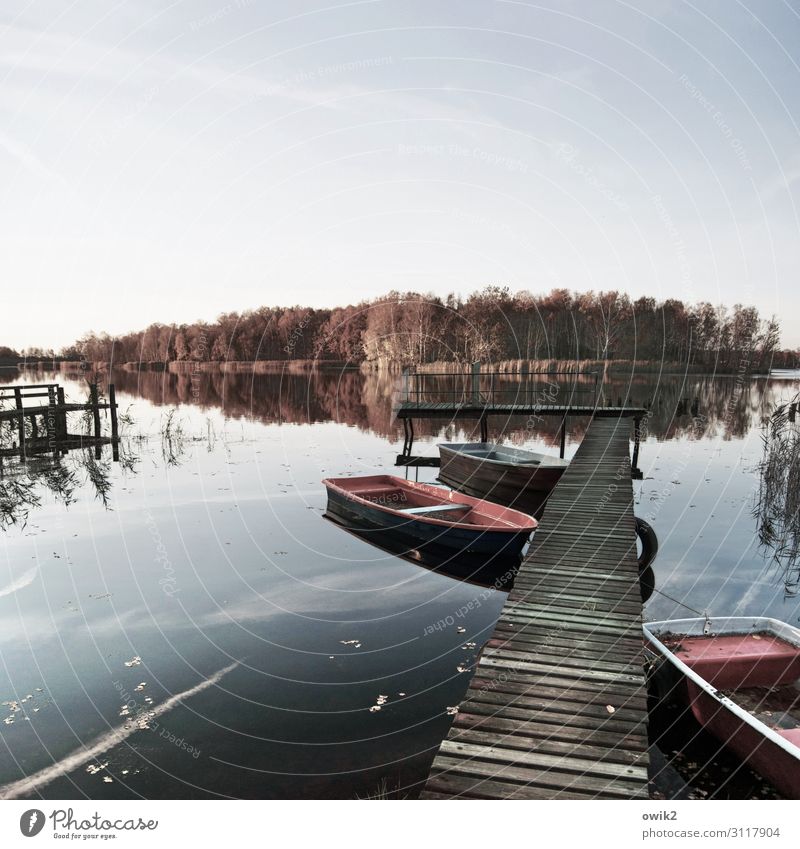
(511, 476)
(423, 514)
(741, 678)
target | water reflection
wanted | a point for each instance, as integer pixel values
(496, 571)
(216, 552)
(22, 484)
(697, 406)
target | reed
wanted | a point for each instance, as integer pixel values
(777, 505)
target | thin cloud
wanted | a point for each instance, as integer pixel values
(101, 744)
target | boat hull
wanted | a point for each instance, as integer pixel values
(765, 756)
(771, 751)
(523, 487)
(416, 533)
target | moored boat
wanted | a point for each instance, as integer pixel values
(510, 476)
(424, 514)
(740, 676)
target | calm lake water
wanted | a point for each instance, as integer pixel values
(211, 559)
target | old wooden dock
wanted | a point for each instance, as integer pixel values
(40, 424)
(557, 705)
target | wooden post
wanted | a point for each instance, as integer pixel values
(50, 419)
(20, 422)
(525, 375)
(563, 437)
(404, 386)
(94, 402)
(62, 414)
(409, 437)
(476, 383)
(34, 427)
(637, 428)
(112, 400)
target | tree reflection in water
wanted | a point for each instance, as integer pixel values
(727, 406)
(681, 406)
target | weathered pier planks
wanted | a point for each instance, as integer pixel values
(557, 705)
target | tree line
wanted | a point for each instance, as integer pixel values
(408, 329)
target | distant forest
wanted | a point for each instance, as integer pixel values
(408, 329)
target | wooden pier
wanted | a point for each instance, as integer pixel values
(47, 429)
(480, 394)
(557, 706)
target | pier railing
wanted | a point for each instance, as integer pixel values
(491, 388)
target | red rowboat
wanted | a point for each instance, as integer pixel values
(741, 678)
(424, 514)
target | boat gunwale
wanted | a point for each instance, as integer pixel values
(508, 526)
(547, 462)
(763, 623)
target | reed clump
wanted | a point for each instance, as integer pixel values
(777, 506)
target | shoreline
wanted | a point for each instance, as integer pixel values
(510, 368)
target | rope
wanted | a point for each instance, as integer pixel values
(677, 601)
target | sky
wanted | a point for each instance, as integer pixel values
(168, 161)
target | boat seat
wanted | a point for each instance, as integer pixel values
(740, 660)
(434, 508)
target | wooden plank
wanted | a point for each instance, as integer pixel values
(566, 640)
(540, 669)
(631, 742)
(542, 636)
(602, 695)
(570, 613)
(557, 780)
(584, 766)
(556, 622)
(517, 654)
(546, 745)
(447, 785)
(624, 715)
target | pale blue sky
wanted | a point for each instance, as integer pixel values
(169, 161)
